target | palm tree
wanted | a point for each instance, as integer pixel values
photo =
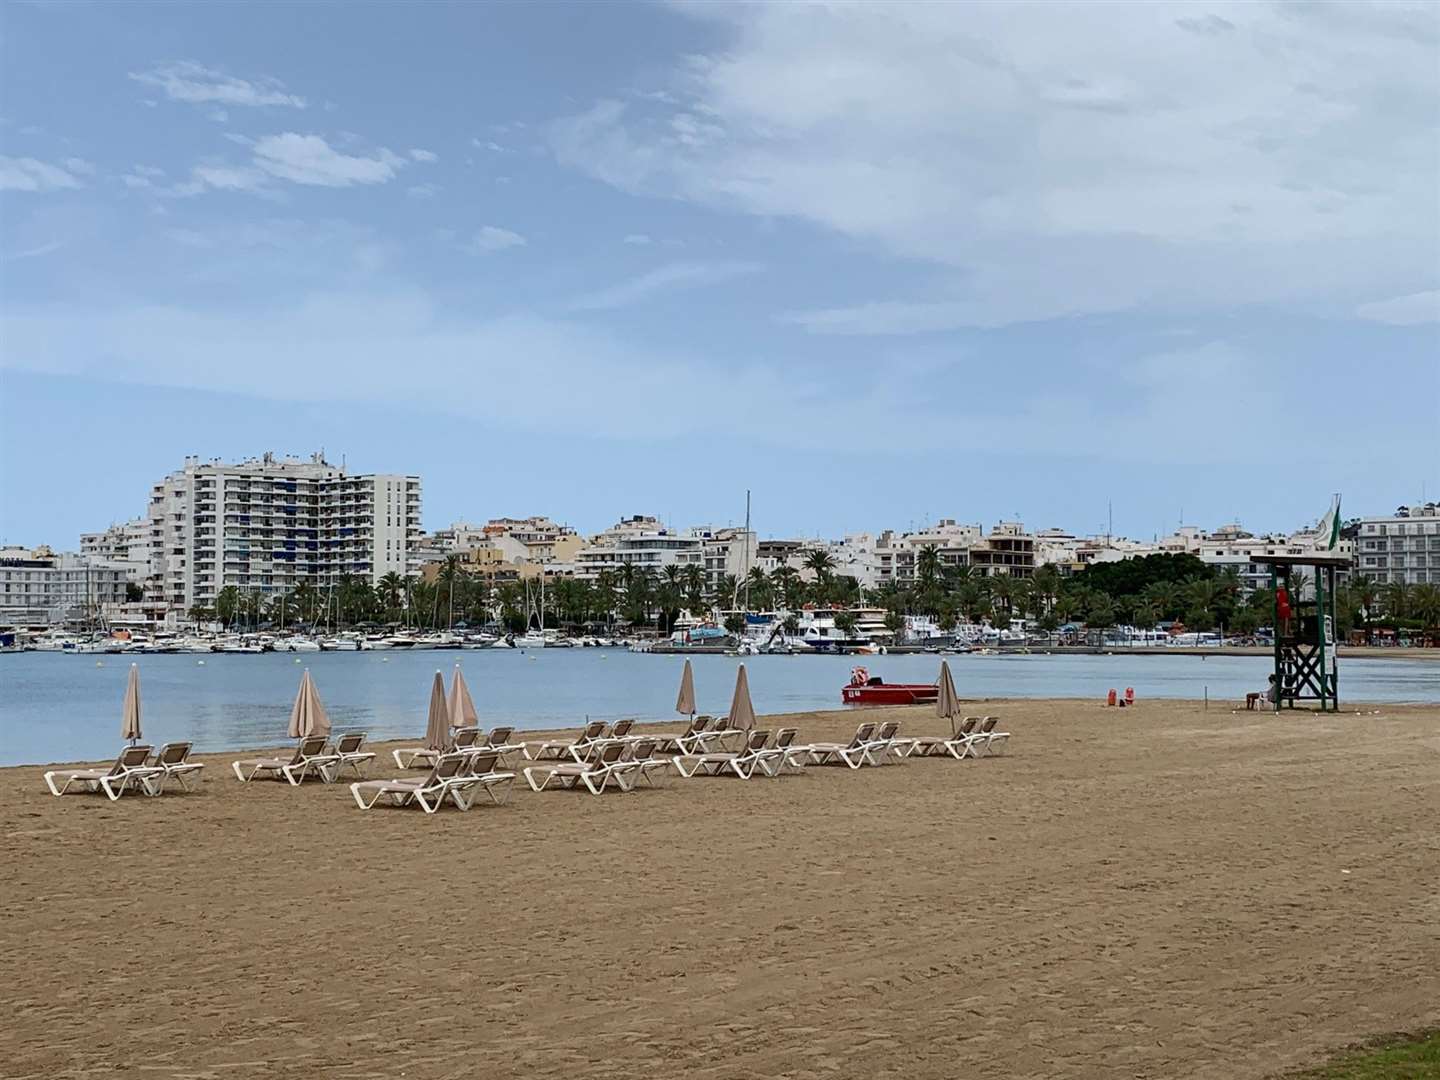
(1165, 595)
(785, 582)
(1425, 604)
(391, 590)
(759, 596)
(927, 566)
(820, 563)
(695, 588)
(227, 604)
(1397, 599)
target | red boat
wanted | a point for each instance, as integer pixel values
(865, 689)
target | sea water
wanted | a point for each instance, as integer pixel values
(59, 707)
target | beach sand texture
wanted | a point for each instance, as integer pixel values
(1157, 892)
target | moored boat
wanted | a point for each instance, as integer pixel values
(867, 689)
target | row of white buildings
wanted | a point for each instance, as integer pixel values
(269, 523)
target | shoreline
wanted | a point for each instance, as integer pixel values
(909, 715)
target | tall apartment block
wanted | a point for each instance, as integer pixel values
(267, 524)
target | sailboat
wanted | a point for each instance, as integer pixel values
(534, 638)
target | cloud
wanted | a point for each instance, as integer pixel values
(491, 145)
(309, 159)
(33, 253)
(79, 165)
(196, 84)
(28, 174)
(422, 191)
(1411, 310)
(637, 239)
(493, 238)
(426, 156)
(228, 177)
(1044, 161)
(662, 279)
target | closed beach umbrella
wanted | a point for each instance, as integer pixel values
(685, 703)
(437, 727)
(461, 704)
(947, 702)
(130, 719)
(307, 715)
(742, 713)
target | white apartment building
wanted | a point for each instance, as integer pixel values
(643, 543)
(267, 524)
(126, 544)
(41, 588)
(895, 554)
(1401, 547)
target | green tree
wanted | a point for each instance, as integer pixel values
(895, 623)
(735, 623)
(227, 605)
(846, 623)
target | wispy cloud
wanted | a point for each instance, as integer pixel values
(492, 238)
(309, 159)
(637, 239)
(422, 191)
(1411, 310)
(33, 253)
(28, 174)
(668, 278)
(428, 157)
(188, 81)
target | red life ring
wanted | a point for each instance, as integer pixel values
(859, 676)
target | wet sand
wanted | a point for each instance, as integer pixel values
(1156, 892)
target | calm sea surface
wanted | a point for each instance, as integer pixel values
(55, 707)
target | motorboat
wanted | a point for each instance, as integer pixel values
(867, 689)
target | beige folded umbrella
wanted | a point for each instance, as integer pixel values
(437, 726)
(685, 703)
(130, 718)
(461, 705)
(947, 702)
(307, 715)
(742, 713)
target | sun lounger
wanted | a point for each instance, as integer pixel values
(782, 755)
(499, 741)
(350, 753)
(310, 757)
(608, 766)
(129, 769)
(447, 777)
(715, 737)
(888, 747)
(174, 759)
(480, 775)
(556, 749)
(677, 743)
(987, 735)
(712, 762)
(939, 745)
(968, 740)
(647, 762)
(420, 757)
(855, 753)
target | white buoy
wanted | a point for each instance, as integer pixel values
(297, 659)
(200, 662)
(99, 663)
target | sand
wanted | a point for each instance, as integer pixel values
(1157, 892)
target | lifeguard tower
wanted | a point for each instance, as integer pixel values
(1305, 636)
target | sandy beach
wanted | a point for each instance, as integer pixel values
(1156, 892)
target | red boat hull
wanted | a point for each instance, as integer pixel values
(890, 694)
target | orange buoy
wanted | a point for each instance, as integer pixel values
(1111, 699)
(1130, 695)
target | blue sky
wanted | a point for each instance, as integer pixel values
(880, 264)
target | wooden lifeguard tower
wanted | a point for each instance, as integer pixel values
(1305, 628)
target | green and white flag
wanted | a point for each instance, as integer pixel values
(1327, 536)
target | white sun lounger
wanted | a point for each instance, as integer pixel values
(130, 768)
(449, 776)
(310, 756)
(939, 745)
(855, 753)
(986, 736)
(711, 763)
(481, 776)
(783, 755)
(350, 753)
(608, 766)
(174, 759)
(556, 749)
(888, 747)
(677, 743)
(499, 741)
(648, 764)
(420, 757)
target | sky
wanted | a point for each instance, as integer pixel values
(877, 264)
